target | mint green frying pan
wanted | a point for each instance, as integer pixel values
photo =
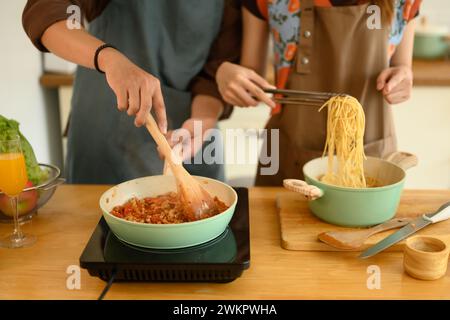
(165, 236)
(355, 207)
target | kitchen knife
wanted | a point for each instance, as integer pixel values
(442, 214)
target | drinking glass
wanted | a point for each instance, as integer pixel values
(13, 178)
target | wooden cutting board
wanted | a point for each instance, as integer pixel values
(299, 227)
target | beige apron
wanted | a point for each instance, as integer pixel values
(337, 53)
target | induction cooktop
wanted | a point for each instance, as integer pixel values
(222, 259)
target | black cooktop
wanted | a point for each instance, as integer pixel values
(222, 259)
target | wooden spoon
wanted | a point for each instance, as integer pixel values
(192, 193)
(351, 240)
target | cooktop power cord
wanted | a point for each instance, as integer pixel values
(108, 285)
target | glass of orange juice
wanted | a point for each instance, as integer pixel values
(13, 178)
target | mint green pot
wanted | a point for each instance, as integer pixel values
(165, 236)
(430, 46)
(352, 207)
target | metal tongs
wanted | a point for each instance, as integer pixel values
(307, 98)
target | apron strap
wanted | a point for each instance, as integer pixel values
(306, 36)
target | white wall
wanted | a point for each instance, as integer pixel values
(423, 128)
(437, 11)
(21, 96)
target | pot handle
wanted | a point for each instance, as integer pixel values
(404, 160)
(308, 191)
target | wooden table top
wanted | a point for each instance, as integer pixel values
(431, 72)
(65, 224)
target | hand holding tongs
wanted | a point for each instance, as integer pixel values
(307, 98)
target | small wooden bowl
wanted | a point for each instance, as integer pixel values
(426, 258)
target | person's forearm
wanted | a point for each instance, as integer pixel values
(403, 54)
(241, 85)
(254, 42)
(204, 106)
(136, 90)
(75, 45)
(395, 82)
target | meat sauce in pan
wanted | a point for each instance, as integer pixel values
(164, 209)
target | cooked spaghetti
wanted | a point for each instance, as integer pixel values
(345, 139)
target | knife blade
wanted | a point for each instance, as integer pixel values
(417, 224)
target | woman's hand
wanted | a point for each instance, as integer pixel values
(136, 90)
(241, 86)
(396, 84)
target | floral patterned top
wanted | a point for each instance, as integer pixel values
(284, 20)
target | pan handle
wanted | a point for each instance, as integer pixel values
(404, 160)
(308, 191)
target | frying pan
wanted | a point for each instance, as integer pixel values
(165, 236)
(355, 207)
